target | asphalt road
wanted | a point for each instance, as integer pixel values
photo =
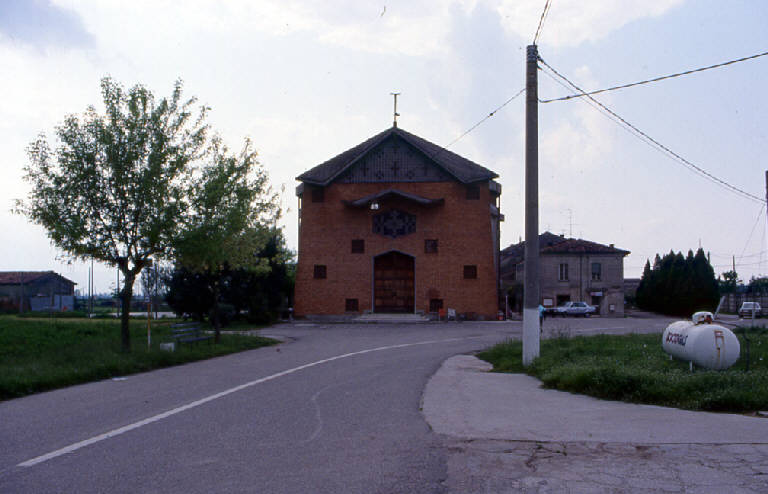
(334, 409)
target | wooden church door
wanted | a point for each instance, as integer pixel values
(393, 275)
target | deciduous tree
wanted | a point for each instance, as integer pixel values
(233, 212)
(121, 186)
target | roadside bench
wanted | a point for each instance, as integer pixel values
(189, 333)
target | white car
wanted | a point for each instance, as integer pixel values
(747, 308)
(574, 309)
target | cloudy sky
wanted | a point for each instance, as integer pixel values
(308, 79)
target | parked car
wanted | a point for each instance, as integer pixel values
(574, 309)
(747, 308)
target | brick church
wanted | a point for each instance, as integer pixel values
(398, 224)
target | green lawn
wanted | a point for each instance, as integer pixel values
(634, 368)
(47, 353)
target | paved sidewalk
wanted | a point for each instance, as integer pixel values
(506, 434)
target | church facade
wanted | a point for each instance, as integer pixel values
(398, 224)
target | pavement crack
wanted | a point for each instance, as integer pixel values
(318, 416)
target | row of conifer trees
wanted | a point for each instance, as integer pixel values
(678, 285)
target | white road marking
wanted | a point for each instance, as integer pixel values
(127, 428)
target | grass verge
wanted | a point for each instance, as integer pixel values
(634, 368)
(42, 354)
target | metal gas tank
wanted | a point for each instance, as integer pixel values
(707, 345)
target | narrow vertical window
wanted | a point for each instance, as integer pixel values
(320, 272)
(596, 271)
(563, 273)
(470, 272)
(430, 246)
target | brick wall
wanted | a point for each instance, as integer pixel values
(462, 228)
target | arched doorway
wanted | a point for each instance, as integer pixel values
(393, 283)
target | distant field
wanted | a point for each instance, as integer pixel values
(46, 353)
(634, 368)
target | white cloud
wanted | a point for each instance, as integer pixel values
(402, 28)
(572, 22)
(39, 91)
(581, 136)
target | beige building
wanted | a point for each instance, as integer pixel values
(570, 270)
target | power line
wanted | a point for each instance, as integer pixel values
(738, 264)
(480, 122)
(759, 213)
(607, 115)
(656, 79)
(754, 254)
(544, 14)
(650, 140)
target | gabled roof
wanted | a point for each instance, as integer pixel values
(460, 168)
(515, 252)
(580, 246)
(18, 277)
(549, 243)
(380, 196)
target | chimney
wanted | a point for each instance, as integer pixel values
(610, 245)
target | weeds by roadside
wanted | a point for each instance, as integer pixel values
(42, 354)
(634, 368)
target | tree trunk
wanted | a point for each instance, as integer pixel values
(126, 295)
(215, 313)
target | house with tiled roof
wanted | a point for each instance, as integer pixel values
(35, 290)
(397, 224)
(570, 269)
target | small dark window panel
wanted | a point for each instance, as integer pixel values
(430, 246)
(358, 246)
(320, 271)
(351, 305)
(318, 194)
(596, 271)
(473, 192)
(470, 272)
(435, 304)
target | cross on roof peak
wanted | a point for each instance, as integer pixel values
(394, 123)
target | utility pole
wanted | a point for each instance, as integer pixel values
(531, 324)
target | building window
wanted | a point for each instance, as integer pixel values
(596, 271)
(470, 272)
(318, 194)
(320, 272)
(435, 304)
(394, 223)
(473, 192)
(430, 246)
(563, 273)
(358, 246)
(351, 305)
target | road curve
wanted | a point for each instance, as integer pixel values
(336, 409)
